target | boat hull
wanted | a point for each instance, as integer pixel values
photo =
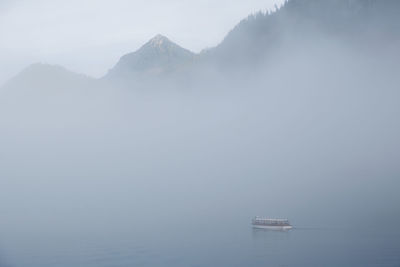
(271, 227)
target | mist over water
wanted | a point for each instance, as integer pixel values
(170, 172)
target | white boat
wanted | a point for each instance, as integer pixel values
(271, 224)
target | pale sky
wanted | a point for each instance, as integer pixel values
(89, 36)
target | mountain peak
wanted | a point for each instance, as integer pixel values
(159, 40)
(159, 55)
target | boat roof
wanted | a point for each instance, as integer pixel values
(269, 219)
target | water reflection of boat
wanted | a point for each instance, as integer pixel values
(271, 224)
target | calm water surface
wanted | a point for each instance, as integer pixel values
(185, 243)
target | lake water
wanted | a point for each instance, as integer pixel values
(186, 242)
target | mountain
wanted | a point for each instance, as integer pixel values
(258, 38)
(42, 85)
(295, 26)
(44, 97)
(47, 77)
(159, 56)
(354, 22)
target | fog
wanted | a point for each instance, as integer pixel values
(180, 162)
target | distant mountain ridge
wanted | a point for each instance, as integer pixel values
(158, 56)
(255, 39)
(48, 77)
